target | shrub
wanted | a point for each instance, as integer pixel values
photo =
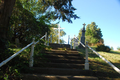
(118, 48)
(103, 48)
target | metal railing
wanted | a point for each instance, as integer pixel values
(31, 55)
(87, 62)
(113, 66)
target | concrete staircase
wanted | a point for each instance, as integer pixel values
(59, 65)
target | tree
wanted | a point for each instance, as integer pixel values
(54, 33)
(25, 25)
(118, 48)
(80, 34)
(112, 48)
(93, 34)
(6, 7)
(60, 9)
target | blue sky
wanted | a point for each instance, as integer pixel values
(105, 13)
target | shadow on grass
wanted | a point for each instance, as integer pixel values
(114, 52)
(101, 69)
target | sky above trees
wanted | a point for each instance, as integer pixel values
(105, 13)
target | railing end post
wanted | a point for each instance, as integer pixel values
(32, 53)
(45, 38)
(33, 39)
(86, 60)
(86, 66)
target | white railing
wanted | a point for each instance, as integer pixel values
(49, 38)
(87, 62)
(114, 67)
(31, 55)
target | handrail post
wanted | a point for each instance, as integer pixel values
(45, 38)
(74, 43)
(86, 60)
(71, 45)
(68, 38)
(51, 38)
(32, 53)
(48, 41)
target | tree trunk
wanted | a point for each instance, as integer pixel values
(6, 7)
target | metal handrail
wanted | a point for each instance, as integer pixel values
(40, 39)
(113, 66)
(14, 55)
(11, 57)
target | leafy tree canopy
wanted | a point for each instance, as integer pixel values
(93, 34)
(54, 33)
(59, 9)
(32, 17)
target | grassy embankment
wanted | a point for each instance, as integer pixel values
(101, 69)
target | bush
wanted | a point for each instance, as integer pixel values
(103, 48)
(118, 48)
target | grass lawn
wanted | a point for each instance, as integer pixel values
(101, 69)
(113, 57)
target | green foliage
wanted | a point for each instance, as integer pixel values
(93, 34)
(103, 48)
(118, 48)
(60, 9)
(54, 33)
(16, 66)
(31, 18)
(112, 48)
(20, 63)
(25, 25)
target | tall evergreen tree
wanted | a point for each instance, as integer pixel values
(59, 9)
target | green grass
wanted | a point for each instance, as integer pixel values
(113, 57)
(101, 69)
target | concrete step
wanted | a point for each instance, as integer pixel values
(63, 56)
(60, 71)
(55, 45)
(60, 65)
(55, 77)
(62, 51)
(59, 60)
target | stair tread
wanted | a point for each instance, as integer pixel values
(59, 69)
(60, 76)
(62, 63)
(68, 52)
(66, 59)
(62, 55)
